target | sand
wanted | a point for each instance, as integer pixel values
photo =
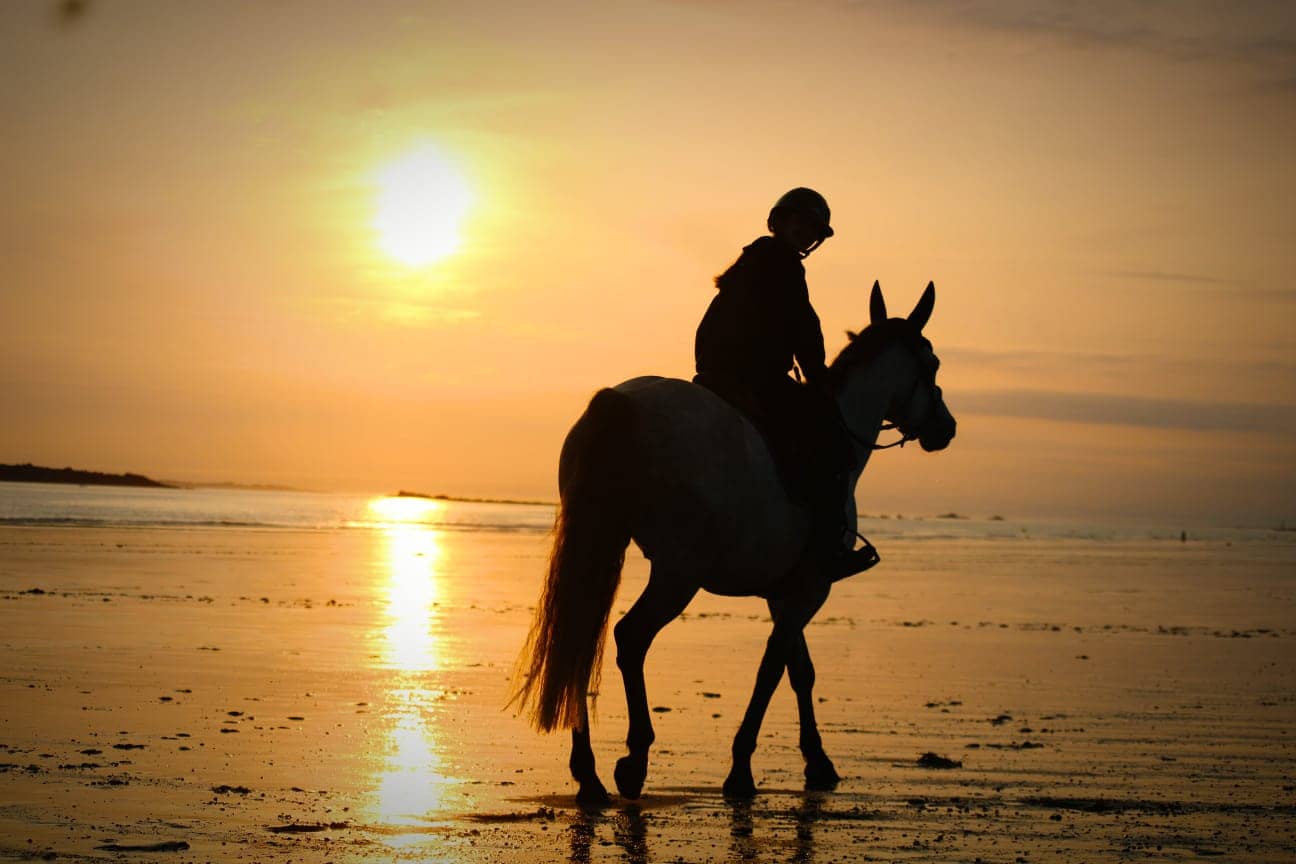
(241, 695)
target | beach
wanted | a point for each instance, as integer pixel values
(248, 693)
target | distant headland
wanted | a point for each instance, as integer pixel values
(29, 473)
(39, 474)
(405, 493)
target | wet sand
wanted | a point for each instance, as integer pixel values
(240, 695)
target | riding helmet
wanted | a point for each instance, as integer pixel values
(809, 202)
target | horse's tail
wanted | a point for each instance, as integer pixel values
(563, 655)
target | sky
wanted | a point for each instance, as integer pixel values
(205, 276)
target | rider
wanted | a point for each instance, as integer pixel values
(758, 323)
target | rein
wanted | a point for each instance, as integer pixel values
(900, 442)
(885, 427)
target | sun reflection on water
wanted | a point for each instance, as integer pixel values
(410, 783)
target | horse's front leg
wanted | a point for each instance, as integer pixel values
(660, 603)
(790, 617)
(819, 770)
(740, 783)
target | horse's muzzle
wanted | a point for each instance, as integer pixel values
(939, 438)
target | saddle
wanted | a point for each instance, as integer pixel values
(788, 443)
(811, 458)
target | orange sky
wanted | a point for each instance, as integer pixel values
(194, 288)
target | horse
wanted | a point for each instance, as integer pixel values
(678, 470)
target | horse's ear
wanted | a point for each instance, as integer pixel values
(877, 306)
(851, 335)
(922, 312)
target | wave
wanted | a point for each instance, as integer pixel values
(118, 522)
(91, 522)
(915, 532)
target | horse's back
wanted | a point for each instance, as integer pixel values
(684, 427)
(710, 496)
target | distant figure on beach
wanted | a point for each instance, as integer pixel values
(759, 328)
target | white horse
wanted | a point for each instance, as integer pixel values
(675, 468)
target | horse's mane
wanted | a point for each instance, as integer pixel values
(866, 345)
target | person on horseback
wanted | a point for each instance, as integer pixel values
(761, 323)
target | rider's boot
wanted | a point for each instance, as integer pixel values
(831, 539)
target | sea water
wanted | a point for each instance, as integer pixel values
(37, 504)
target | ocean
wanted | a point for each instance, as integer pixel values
(36, 504)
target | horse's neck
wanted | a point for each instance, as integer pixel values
(863, 399)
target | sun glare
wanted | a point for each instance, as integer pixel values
(422, 199)
(400, 510)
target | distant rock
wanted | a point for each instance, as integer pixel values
(937, 762)
(29, 473)
(164, 846)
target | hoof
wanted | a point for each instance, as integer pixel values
(739, 784)
(821, 776)
(630, 774)
(593, 794)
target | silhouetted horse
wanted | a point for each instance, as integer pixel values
(675, 468)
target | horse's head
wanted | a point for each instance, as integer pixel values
(915, 404)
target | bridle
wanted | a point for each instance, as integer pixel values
(867, 554)
(925, 376)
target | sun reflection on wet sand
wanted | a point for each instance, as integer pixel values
(413, 556)
(410, 783)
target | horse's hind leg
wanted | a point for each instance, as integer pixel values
(657, 606)
(592, 792)
(819, 770)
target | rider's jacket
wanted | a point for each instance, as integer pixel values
(760, 320)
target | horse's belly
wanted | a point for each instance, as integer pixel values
(737, 585)
(733, 569)
(747, 583)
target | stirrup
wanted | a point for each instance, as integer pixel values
(854, 561)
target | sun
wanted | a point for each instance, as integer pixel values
(422, 199)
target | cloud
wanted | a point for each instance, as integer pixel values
(1256, 34)
(396, 311)
(1236, 288)
(1034, 360)
(1108, 409)
(1158, 276)
(1027, 366)
(1125, 365)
